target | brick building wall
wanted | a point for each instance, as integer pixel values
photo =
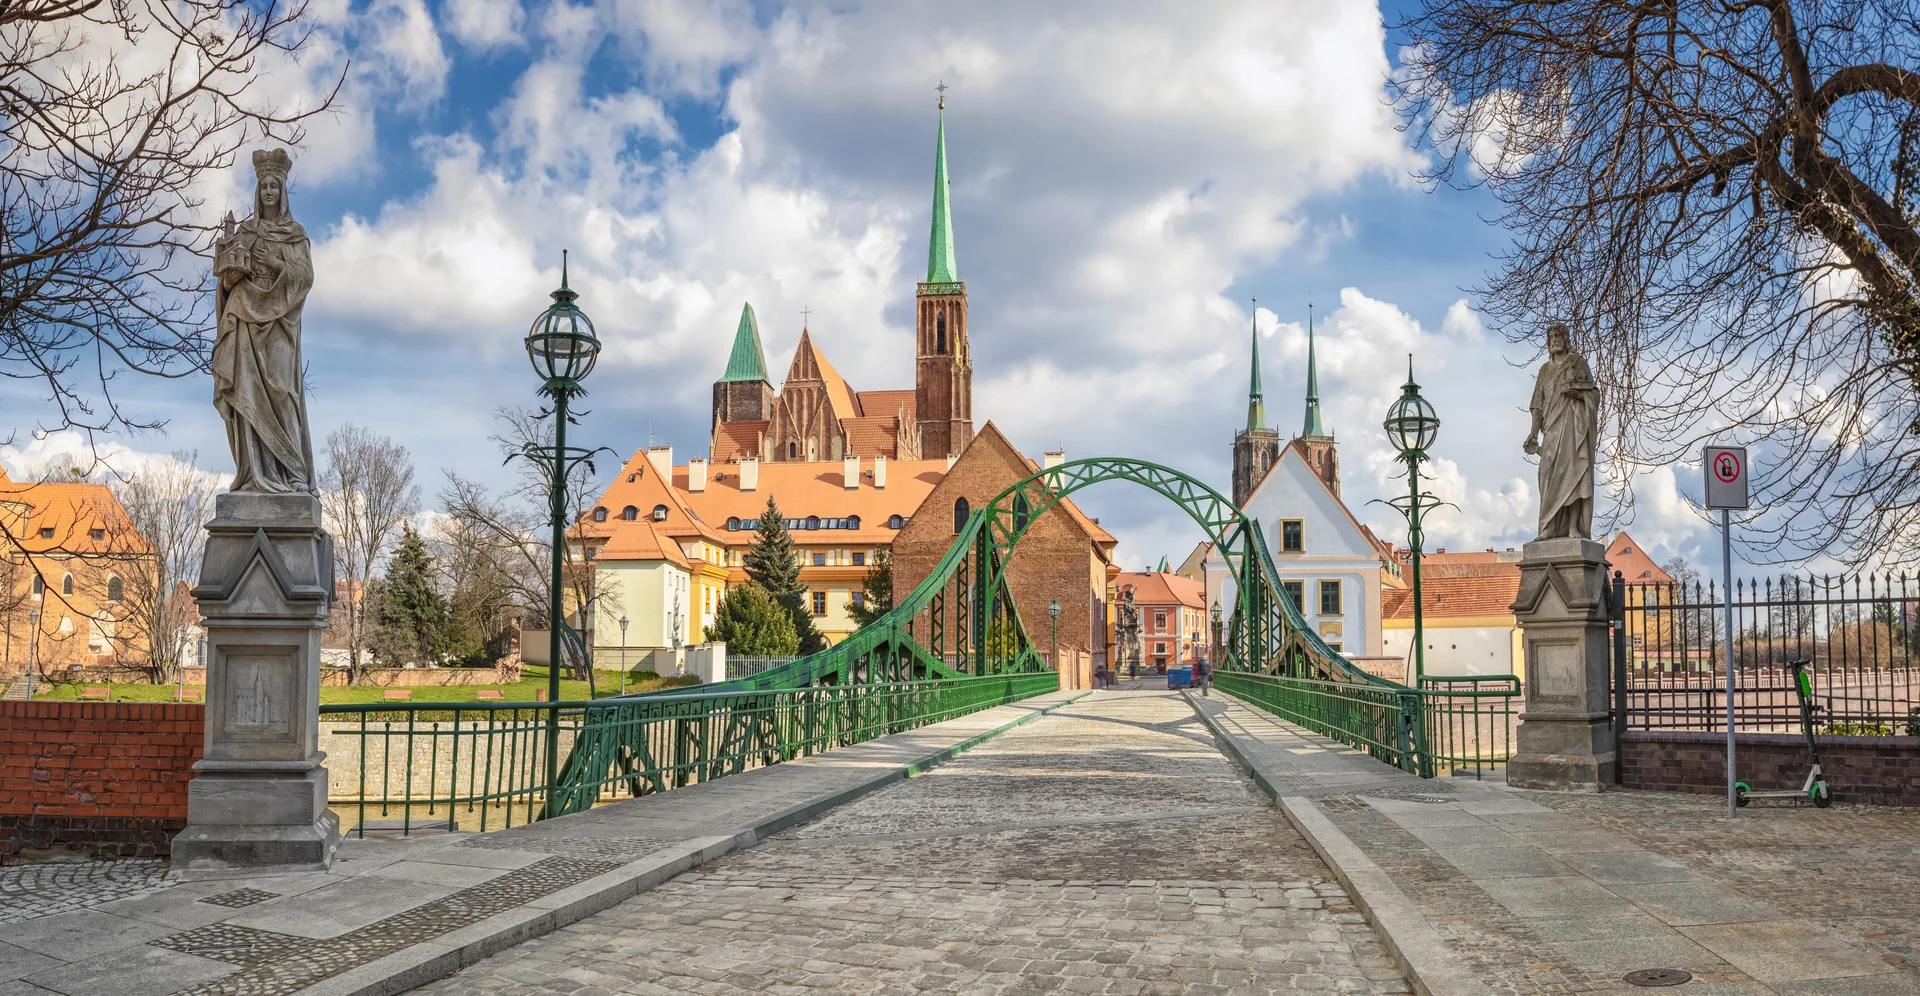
(1882, 771)
(1056, 559)
(109, 778)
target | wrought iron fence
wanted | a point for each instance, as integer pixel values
(1447, 725)
(742, 667)
(1859, 631)
(406, 766)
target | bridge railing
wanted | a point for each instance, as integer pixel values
(1447, 725)
(405, 767)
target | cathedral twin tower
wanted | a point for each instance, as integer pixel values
(815, 416)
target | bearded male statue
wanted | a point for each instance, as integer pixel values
(1565, 435)
(265, 268)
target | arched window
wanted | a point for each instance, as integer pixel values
(66, 585)
(961, 511)
(39, 584)
(659, 513)
(733, 523)
(629, 513)
(853, 522)
(893, 522)
(793, 450)
(1021, 512)
(600, 514)
(940, 334)
(115, 589)
(813, 522)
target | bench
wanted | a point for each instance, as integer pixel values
(397, 694)
(490, 695)
(191, 695)
(96, 693)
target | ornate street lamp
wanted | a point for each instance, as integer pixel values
(623, 654)
(1412, 427)
(1213, 652)
(1054, 611)
(562, 348)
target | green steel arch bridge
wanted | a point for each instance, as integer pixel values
(957, 643)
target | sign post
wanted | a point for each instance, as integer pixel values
(1727, 490)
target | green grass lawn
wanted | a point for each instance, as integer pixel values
(605, 683)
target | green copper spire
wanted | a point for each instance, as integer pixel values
(1256, 406)
(748, 362)
(941, 268)
(1314, 426)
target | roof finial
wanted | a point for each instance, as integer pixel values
(1313, 426)
(943, 94)
(806, 317)
(563, 269)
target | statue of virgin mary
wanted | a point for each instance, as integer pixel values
(265, 268)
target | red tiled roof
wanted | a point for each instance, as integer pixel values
(886, 403)
(637, 540)
(1157, 588)
(810, 489)
(1488, 590)
(733, 440)
(872, 435)
(1629, 559)
(73, 511)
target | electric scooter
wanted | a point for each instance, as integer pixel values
(1815, 788)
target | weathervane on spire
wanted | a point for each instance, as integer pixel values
(942, 87)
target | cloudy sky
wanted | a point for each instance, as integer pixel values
(1126, 175)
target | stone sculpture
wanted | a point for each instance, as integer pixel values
(265, 268)
(1565, 435)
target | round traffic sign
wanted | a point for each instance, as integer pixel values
(1726, 467)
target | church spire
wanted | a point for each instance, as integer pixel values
(1256, 406)
(941, 268)
(747, 362)
(1313, 426)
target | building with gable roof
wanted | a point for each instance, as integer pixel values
(816, 417)
(1466, 600)
(1334, 566)
(1173, 616)
(73, 578)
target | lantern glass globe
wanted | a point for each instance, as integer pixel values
(561, 343)
(1412, 425)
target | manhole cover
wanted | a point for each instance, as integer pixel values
(1658, 977)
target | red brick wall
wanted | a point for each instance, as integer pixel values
(1881, 771)
(105, 777)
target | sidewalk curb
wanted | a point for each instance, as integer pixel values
(442, 956)
(1416, 946)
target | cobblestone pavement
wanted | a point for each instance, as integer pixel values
(1851, 869)
(1108, 849)
(30, 891)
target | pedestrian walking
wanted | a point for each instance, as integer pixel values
(1100, 677)
(1203, 675)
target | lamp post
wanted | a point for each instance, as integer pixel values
(1053, 610)
(180, 663)
(562, 348)
(1213, 652)
(1412, 427)
(623, 654)
(33, 650)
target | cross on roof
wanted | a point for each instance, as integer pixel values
(943, 94)
(806, 316)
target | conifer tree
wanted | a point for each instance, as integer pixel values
(752, 624)
(774, 565)
(413, 613)
(878, 587)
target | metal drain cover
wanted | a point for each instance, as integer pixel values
(1658, 977)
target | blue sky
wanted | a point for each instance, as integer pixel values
(1126, 174)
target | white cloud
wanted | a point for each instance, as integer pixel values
(51, 455)
(484, 25)
(684, 44)
(406, 50)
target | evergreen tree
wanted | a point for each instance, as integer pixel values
(878, 587)
(412, 612)
(774, 565)
(752, 624)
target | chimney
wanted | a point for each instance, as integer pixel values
(1050, 460)
(696, 474)
(880, 472)
(850, 471)
(749, 474)
(662, 459)
(951, 457)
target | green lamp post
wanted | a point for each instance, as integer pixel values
(1412, 427)
(562, 348)
(1053, 610)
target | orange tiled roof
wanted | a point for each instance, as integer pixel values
(1156, 588)
(872, 434)
(637, 540)
(886, 403)
(733, 440)
(815, 489)
(838, 394)
(1489, 591)
(74, 512)
(1629, 559)
(640, 485)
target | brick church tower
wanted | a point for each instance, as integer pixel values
(943, 358)
(744, 393)
(1256, 448)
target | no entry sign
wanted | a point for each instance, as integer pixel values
(1727, 477)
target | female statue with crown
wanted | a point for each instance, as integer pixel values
(265, 268)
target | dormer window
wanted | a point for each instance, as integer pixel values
(46, 532)
(733, 523)
(96, 535)
(629, 513)
(633, 477)
(600, 514)
(659, 513)
(852, 522)
(813, 522)
(895, 522)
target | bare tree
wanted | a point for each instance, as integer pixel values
(367, 491)
(1719, 196)
(114, 118)
(167, 508)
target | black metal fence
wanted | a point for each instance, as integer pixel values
(1862, 633)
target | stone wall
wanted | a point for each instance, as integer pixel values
(386, 677)
(1875, 770)
(109, 778)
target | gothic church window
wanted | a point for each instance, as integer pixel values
(1021, 511)
(39, 585)
(961, 511)
(115, 589)
(793, 450)
(940, 334)
(66, 585)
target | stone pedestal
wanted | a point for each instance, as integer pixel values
(258, 799)
(1565, 741)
